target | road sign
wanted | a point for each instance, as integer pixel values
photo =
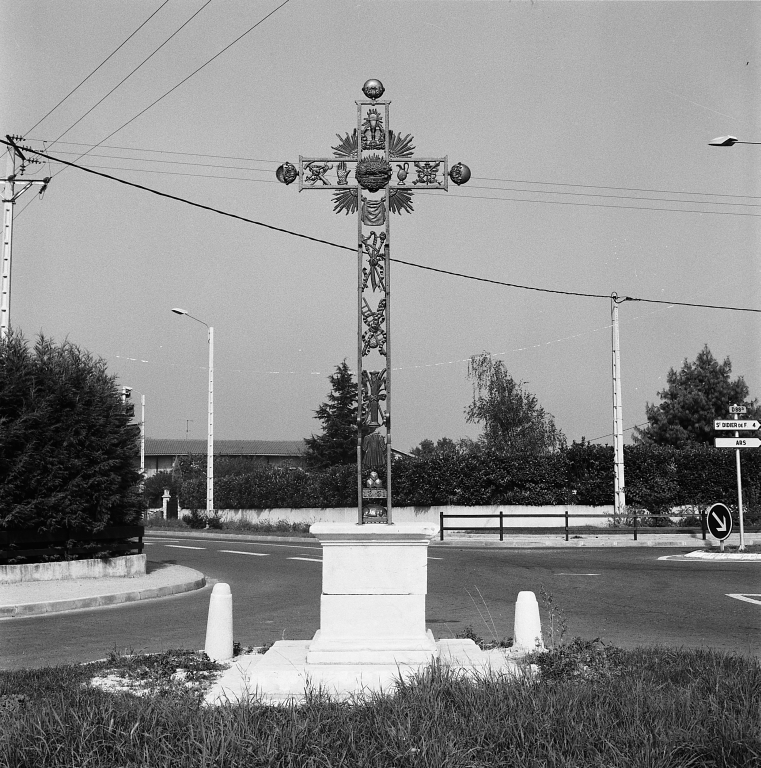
(741, 425)
(737, 409)
(719, 521)
(737, 442)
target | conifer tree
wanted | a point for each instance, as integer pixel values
(694, 396)
(68, 452)
(338, 415)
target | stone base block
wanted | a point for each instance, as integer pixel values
(284, 675)
(361, 617)
(400, 649)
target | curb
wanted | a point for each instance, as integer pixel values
(98, 601)
(516, 542)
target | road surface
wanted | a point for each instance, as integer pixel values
(627, 597)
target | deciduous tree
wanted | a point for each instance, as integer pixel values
(511, 416)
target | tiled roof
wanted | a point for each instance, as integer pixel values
(159, 447)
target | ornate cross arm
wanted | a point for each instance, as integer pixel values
(373, 173)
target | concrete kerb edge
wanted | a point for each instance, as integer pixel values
(516, 542)
(98, 601)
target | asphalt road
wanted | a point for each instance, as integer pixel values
(628, 597)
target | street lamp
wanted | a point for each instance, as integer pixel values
(126, 394)
(730, 141)
(210, 440)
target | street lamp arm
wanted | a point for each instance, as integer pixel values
(728, 141)
(178, 311)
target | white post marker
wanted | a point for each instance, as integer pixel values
(219, 626)
(527, 628)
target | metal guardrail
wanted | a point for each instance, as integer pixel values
(635, 528)
(65, 542)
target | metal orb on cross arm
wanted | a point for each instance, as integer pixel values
(459, 173)
(373, 89)
(286, 173)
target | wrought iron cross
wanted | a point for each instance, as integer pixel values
(373, 154)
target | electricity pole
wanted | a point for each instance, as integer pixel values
(15, 153)
(618, 416)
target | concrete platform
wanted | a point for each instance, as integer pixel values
(282, 675)
(40, 597)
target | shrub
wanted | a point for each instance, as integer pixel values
(68, 453)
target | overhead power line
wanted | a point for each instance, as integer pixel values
(353, 249)
(617, 189)
(605, 205)
(194, 72)
(612, 435)
(124, 80)
(163, 151)
(475, 178)
(110, 55)
(269, 171)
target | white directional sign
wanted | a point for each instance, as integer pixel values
(740, 425)
(737, 442)
(737, 409)
(719, 521)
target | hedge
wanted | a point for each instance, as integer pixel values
(656, 479)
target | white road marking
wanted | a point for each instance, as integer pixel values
(310, 559)
(238, 552)
(748, 598)
(180, 546)
(435, 558)
(577, 574)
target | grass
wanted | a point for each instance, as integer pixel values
(591, 705)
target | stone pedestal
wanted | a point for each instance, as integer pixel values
(374, 583)
(372, 623)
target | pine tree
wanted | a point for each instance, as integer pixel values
(512, 417)
(338, 415)
(696, 395)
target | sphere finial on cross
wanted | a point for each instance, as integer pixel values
(373, 89)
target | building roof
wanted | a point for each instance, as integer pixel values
(161, 447)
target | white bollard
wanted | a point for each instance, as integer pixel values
(219, 627)
(527, 631)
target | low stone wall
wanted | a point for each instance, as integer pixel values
(578, 516)
(125, 566)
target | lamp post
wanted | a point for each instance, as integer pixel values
(730, 141)
(210, 436)
(126, 394)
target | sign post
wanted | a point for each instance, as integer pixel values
(737, 442)
(719, 521)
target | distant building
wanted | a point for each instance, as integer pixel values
(160, 454)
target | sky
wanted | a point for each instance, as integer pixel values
(586, 128)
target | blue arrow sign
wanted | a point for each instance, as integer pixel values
(719, 521)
